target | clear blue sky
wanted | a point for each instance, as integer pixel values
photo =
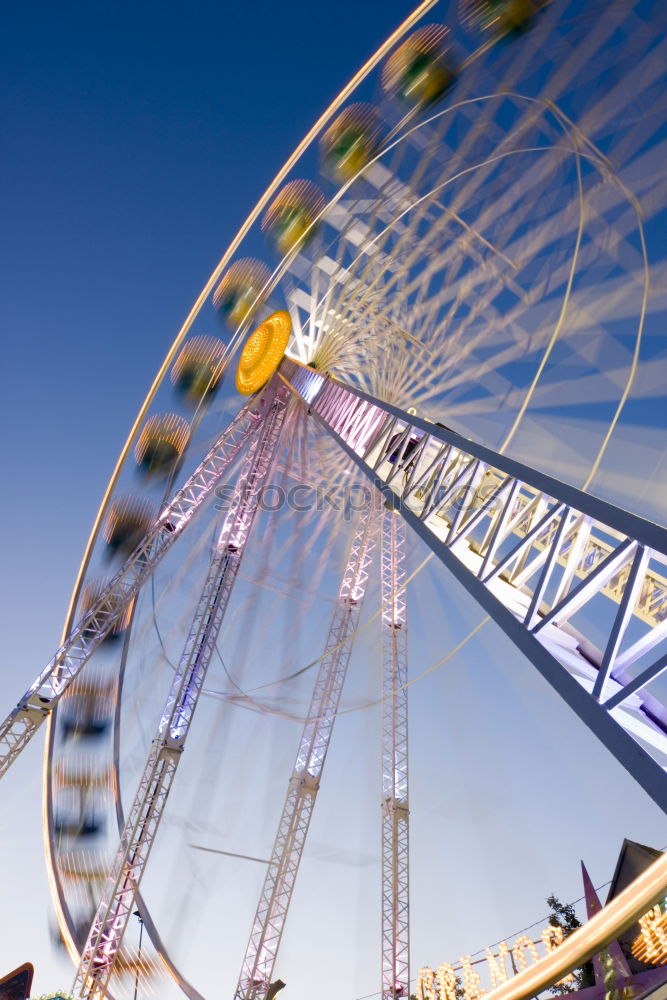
(136, 138)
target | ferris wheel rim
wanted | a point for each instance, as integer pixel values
(275, 278)
(57, 894)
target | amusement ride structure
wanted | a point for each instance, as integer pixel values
(469, 273)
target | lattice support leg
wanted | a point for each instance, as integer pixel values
(546, 561)
(271, 914)
(22, 723)
(395, 866)
(141, 826)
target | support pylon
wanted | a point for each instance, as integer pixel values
(395, 862)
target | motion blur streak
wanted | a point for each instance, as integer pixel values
(376, 58)
(624, 911)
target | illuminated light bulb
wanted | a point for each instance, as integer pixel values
(519, 951)
(446, 980)
(425, 989)
(471, 981)
(552, 937)
(263, 352)
(497, 972)
(651, 943)
(59, 995)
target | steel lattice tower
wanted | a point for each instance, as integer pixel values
(269, 921)
(395, 841)
(143, 820)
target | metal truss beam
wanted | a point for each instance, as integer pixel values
(395, 858)
(540, 557)
(304, 783)
(22, 722)
(143, 820)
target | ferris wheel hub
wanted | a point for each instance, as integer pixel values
(263, 352)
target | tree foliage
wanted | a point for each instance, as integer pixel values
(562, 915)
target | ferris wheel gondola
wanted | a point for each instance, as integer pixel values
(463, 258)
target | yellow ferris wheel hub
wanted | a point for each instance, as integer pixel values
(262, 353)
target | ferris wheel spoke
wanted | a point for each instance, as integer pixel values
(357, 302)
(578, 320)
(586, 52)
(375, 246)
(537, 180)
(118, 898)
(508, 569)
(269, 921)
(38, 701)
(617, 101)
(489, 268)
(601, 387)
(484, 109)
(505, 198)
(365, 281)
(512, 201)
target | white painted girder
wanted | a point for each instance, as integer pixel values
(507, 532)
(395, 843)
(271, 914)
(141, 826)
(40, 698)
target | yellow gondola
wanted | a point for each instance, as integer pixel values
(291, 218)
(421, 70)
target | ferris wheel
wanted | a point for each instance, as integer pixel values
(440, 313)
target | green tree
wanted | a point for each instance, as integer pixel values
(562, 915)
